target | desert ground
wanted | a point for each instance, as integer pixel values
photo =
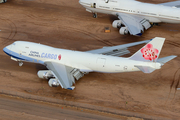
(25, 110)
(65, 24)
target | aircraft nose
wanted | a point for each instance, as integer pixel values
(7, 49)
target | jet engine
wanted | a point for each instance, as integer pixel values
(117, 23)
(123, 31)
(53, 82)
(45, 74)
(3, 1)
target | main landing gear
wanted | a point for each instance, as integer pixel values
(20, 63)
(154, 24)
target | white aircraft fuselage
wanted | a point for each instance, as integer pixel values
(152, 12)
(66, 66)
(87, 62)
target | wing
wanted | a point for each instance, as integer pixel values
(116, 50)
(64, 74)
(172, 4)
(135, 24)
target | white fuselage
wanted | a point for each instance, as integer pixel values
(86, 62)
(152, 12)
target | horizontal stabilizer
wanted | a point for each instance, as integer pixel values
(145, 69)
(166, 59)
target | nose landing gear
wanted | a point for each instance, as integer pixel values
(20, 63)
(95, 15)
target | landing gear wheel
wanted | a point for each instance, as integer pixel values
(20, 64)
(95, 15)
(154, 24)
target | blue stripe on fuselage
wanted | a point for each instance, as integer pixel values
(21, 57)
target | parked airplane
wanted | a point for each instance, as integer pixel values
(3, 1)
(66, 65)
(134, 16)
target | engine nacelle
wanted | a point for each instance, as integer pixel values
(45, 74)
(3, 1)
(123, 31)
(117, 23)
(53, 82)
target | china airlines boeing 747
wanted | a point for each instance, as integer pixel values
(66, 65)
(134, 17)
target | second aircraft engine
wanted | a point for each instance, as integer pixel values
(45, 74)
(117, 23)
(53, 82)
(123, 31)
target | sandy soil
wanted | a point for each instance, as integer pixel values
(28, 110)
(66, 24)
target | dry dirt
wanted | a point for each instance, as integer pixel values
(66, 24)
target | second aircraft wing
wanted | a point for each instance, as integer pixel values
(135, 24)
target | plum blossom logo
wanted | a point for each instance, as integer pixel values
(149, 53)
(59, 57)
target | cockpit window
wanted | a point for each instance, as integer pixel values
(14, 43)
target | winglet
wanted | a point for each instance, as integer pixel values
(150, 52)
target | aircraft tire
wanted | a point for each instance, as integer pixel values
(95, 15)
(20, 63)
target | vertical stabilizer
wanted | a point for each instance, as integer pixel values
(150, 52)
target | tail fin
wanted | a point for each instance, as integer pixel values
(150, 52)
